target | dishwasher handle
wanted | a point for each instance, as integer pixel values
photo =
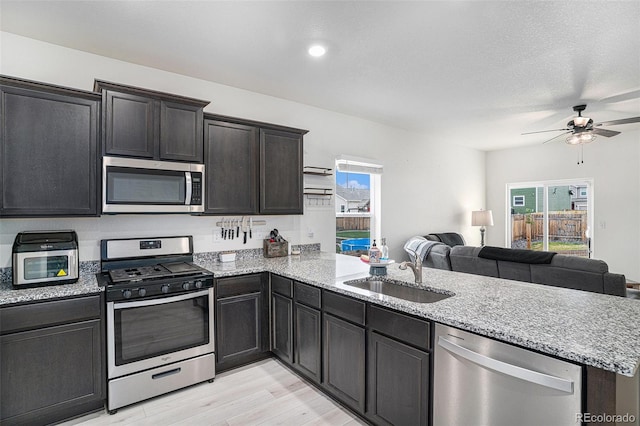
(542, 379)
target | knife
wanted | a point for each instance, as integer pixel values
(244, 229)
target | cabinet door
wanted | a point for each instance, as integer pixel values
(181, 132)
(280, 172)
(48, 154)
(282, 327)
(130, 125)
(48, 372)
(344, 361)
(231, 168)
(238, 329)
(307, 341)
(398, 382)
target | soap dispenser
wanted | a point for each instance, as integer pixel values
(384, 250)
(374, 253)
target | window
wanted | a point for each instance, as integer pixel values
(358, 196)
(553, 216)
(518, 200)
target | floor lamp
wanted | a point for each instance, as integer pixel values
(482, 218)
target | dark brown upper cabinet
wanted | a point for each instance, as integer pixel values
(231, 168)
(252, 167)
(148, 124)
(280, 172)
(48, 150)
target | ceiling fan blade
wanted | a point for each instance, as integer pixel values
(621, 121)
(634, 94)
(544, 131)
(606, 133)
(555, 137)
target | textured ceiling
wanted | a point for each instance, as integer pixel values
(476, 73)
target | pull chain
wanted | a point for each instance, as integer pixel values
(581, 155)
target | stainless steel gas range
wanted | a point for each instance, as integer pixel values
(160, 321)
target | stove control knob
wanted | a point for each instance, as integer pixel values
(142, 292)
(126, 293)
(198, 284)
(186, 285)
(165, 288)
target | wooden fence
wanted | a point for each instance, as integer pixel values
(356, 223)
(563, 226)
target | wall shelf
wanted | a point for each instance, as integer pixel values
(328, 192)
(318, 171)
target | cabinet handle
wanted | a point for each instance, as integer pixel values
(508, 369)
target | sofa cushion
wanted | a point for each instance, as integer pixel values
(567, 277)
(465, 259)
(514, 271)
(580, 263)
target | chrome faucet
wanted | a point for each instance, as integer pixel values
(415, 266)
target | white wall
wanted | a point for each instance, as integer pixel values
(427, 186)
(613, 164)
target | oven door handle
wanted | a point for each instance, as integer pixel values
(162, 301)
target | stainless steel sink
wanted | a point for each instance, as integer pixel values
(398, 289)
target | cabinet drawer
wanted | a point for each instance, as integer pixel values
(401, 327)
(344, 307)
(307, 295)
(233, 286)
(281, 285)
(43, 314)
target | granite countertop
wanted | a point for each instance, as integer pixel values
(86, 284)
(588, 328)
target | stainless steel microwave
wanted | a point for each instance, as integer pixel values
(131, 185)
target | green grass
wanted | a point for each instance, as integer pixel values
(352, 234)
(559, 246)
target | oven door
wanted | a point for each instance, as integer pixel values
(144, 186)
(149, 333)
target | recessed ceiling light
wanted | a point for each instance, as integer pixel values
(317, 50)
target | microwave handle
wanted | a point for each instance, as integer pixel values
(187, 197)
(73, 263)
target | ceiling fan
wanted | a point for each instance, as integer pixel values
(583, 130)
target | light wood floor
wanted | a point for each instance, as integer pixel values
(263, 393)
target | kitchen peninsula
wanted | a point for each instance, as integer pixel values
(590, 329)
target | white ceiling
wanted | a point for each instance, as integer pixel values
(476, 73)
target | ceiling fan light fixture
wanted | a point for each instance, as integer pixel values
(581, 138)
(580, 121)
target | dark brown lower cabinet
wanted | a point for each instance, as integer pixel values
(308, 341)
(282, 327)
(398, 382)
(53, 370)
(344, 361)
(242, 320)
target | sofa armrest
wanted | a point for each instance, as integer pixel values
(438, 257)
(615, 284)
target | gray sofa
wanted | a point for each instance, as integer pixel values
(562, 270)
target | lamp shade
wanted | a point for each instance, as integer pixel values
(481, 218)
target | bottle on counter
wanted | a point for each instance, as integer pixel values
(374, 253)
(384, 250)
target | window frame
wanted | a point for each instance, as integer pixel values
(515, 204)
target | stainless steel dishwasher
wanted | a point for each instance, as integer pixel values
(481, 381)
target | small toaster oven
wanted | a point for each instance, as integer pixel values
(43, 258)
